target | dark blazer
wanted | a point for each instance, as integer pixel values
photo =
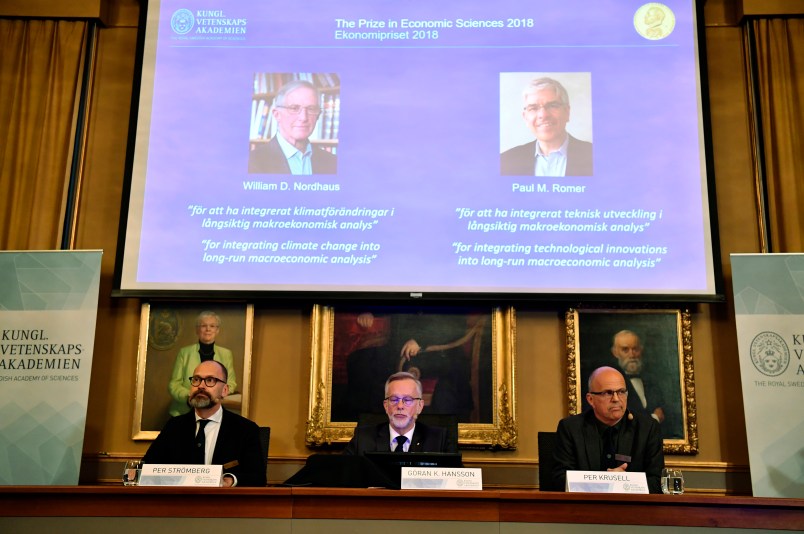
(238, 441)
(578, 447)
(521, 160)
(652, 394)
(268, 158)
(378, 439)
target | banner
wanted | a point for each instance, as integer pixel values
(769, 307)
(48, 307)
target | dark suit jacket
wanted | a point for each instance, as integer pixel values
(268, 158)
(673, 424)
(238, 440)
(521, 160)
(652, 394)
(378, 439)
(578, 447)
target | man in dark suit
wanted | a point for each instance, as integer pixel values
(608, 437)
(554, 152)
(403, 403)
(296, 111)
(210, 434)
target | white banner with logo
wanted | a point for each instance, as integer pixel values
(769, 307)
(48, 307)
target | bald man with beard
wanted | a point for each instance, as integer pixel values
(229, 440)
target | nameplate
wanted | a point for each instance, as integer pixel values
(606, 482)
(442, 478)
(181, 475)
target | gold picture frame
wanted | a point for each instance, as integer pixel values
(488, 342)
(669, 377)
(165, 328)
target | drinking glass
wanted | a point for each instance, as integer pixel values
(672, 482)
(131, 472)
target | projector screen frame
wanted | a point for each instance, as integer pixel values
(316, 296)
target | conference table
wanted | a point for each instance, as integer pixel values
(32, 509)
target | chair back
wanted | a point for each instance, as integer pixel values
(265, 440)
(546, 444)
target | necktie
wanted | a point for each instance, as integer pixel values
(609, 448)
(200, 441)
(400, 444)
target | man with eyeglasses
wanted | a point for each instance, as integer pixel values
(554, 152)
(210, 434)
(207, 328)
(296, 110)
(608, 437)
(402, 433)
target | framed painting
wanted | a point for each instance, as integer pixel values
(465, 361)
(653, 350)
(169, 349)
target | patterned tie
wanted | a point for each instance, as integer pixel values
(400, 444)
(200, 441)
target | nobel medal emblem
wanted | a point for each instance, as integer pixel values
(654, 21)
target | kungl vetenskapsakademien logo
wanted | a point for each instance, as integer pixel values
(770, 354)
(182, 21)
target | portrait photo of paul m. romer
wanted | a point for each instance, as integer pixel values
(546, 124)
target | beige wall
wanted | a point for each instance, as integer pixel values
(281, 346)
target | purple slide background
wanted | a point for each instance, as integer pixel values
(419, 133)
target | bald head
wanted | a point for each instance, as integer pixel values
(607, 395)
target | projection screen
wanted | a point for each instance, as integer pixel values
(455, 147)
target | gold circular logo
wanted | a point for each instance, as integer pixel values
(654, 21)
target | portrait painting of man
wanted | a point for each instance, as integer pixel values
(645, 347)
(449, 351)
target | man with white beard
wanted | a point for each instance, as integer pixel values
(643, 396)
(401, 433)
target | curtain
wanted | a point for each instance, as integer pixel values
(780, 70)
(40, 76)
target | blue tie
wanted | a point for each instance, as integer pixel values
(400, 444)
(200, 442)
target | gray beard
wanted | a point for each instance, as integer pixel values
(628, 363)
(201, 401)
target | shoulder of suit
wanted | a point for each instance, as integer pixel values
(637, 418)
(527, 147)
(379, 427)
(579, 419)
(323, 153)
(183, 419)
(422, 426)
(577, 142)
(235, 417)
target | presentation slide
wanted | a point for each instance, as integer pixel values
(457, 146)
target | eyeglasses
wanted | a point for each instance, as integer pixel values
(208, 381)
(609, 393)
(407, 400)
(550, 107)
(295, 109)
